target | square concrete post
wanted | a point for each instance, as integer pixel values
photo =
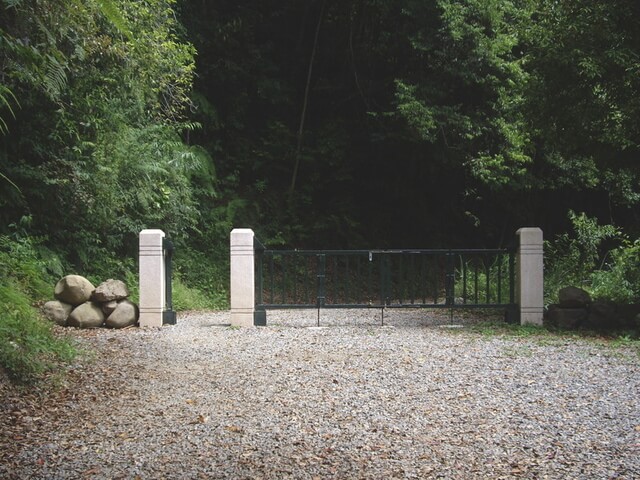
(530, 278)
(242, 277)
(152, 278)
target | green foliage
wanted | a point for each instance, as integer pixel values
(571, 259)
(467, 98)
(207, 273)
(29, 350)
(190, 298)
(96, 152)
(619, 280)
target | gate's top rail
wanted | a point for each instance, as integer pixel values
(435, 251)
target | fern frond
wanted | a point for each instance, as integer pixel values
(111, 11)
(55, 78)
(5, 96)
(12, 3)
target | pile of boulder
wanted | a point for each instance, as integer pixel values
(576, 309)
(79, 304)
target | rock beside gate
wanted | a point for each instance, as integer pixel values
(576, 310)
(573, 297)
(87, 315)
(57, 311)
(109, 291)
(125, 315)
(73, 289)
(79, 304)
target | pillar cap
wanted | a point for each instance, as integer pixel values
(530, 234)
(152, 231)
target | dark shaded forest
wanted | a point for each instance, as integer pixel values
(325, 124)
(418, 123)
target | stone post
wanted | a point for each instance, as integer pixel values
(152, 278)
(242, 277)
(529, 275)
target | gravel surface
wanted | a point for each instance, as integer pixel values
(416, 398)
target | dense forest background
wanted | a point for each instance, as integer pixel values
(318, 123)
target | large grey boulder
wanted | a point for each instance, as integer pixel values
(125, 315)
(110, 290)
(57, 311)
(87, 315)
(73, 289)
(573, 297)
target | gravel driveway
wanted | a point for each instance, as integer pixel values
(351, 399)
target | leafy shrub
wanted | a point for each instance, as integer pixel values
(571, 260)
(619, 281)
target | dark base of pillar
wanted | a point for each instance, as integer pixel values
(512, 315)
(169, 317)
(260, 318)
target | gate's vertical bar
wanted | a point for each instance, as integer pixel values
(271, 284)
(423, 278)
(358, 282)
(294, 274)
(306, 279)
(401, 279)
(487, 274)
(500, 260)
(412, 283)
(321, 282)
(436, 272)
(346, 279)
(335, 275)
(450, 277)
(284, 279)
(463, 261)
(369, 277)
(475, 282)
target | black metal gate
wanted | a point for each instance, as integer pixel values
(476, 278)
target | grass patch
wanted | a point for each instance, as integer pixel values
(29, 349)
(545, 336)
(189, 298)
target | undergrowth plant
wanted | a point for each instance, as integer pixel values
(619, 280)
(29, 350)
(571, 260)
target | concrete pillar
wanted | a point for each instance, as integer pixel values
(152, 278)
(529, 275)
(242, 277)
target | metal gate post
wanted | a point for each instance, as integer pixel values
(260, 314)
(168, 316)
(321, 275)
